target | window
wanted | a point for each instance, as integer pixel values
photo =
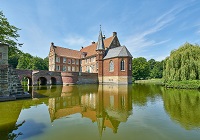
(73, 68)
(69, 61)
(58, 59)
(77, 62)
(64, 68)
(111, 66)
(57, 67)
(77, 69)
(122, 65)
(64, 60)
(73, 61)
(88, 69)
(69, 68)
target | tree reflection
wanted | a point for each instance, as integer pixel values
(183, 106)
(141, 93)
(13, 136)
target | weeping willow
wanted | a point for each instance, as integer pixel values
(183, 64)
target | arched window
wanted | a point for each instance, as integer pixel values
(122, 65)
(111, 66)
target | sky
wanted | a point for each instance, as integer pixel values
(148, 28)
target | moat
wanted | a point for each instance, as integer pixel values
(106, 112)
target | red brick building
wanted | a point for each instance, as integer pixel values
(106, 57)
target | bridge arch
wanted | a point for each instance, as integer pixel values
(53, 81)
(42, 81)
(26, 80)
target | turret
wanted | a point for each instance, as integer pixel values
(100, 54)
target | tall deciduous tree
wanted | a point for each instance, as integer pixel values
(9, 35)
(183, 64)
(140, 68)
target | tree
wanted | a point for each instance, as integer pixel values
(183, 64)
(39, 64)
(9, 35)
(140, 68)
(25, 61)
(156, 69)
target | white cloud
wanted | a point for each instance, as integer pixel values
(75, 40)
(141, 41)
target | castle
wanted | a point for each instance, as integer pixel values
(106, 57)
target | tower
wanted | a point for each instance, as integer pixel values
(100, 54)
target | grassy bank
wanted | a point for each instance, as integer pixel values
(150, 81)
(187, 84)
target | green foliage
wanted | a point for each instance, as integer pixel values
(183, 64)
(185, 84)
(155, 68)
(140, 68)
(183, 106)
(8, 33)
(27, 61)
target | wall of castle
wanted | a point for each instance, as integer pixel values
(79, 78)
(117, 79)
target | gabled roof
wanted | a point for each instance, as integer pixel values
(91, 49)
(121, 51)
(65, 52)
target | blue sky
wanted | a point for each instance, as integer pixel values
(148, 28)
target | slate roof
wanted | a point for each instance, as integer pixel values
(100, 43)
(121, 51)
(91, 49)
(65, 52)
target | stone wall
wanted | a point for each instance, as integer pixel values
(79, 78)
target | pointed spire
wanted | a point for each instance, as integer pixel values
(100, 43)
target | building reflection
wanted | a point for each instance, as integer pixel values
(107, 105)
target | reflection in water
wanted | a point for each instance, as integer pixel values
(141, 93)
(183, 106)
(8, 118)
(107, 105)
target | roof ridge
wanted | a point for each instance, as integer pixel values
(68, 48)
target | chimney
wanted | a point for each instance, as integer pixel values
(52, 44)
(104, 37)
(93, 42)
(114, 33)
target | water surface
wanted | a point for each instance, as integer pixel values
(103, 112)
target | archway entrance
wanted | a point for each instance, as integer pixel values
(26, 81)
(53, 80)
(42, 81)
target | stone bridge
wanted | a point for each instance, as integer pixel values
(40, 77)
(44, 77)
